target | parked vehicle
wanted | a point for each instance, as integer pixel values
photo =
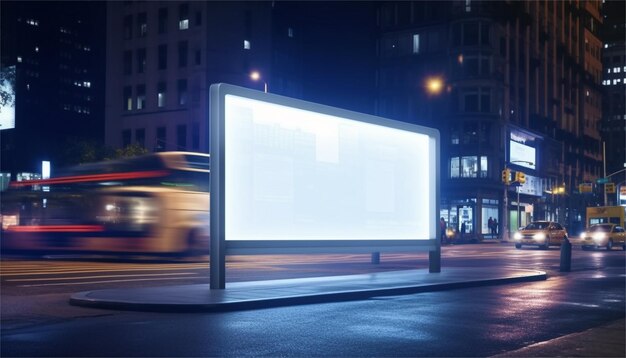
(540, 233)
(603, 235)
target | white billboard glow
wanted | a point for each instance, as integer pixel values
(292, 174)
(522, 155)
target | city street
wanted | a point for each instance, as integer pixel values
(37, 319)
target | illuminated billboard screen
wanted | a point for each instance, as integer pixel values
(7, 98)
(522, 150)
(291, 172)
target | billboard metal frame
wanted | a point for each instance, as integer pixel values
(220, 247)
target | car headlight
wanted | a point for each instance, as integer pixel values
(517, 236)
(599, 236)
(582, 235)
(539, 236)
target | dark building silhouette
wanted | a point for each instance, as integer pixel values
(57, 50)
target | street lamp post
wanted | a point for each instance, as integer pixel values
(256, 76)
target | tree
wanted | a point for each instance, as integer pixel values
(81, 151)
(131, 150)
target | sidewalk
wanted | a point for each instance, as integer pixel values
(604, 341)
(261, 294)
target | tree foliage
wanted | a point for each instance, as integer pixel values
(81, 151)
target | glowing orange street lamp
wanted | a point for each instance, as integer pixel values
(434, 85)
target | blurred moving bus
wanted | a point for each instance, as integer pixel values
(152, 204)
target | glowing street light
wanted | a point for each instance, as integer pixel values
(434, 85)
(256, 76)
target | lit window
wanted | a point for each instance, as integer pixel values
(183, 24)
(468, 5)
(161, 90)
(587, 93)
(614, 82)
(183, 16)
(454, 167)
(416, 43)
(606, 45)
(616, 70)
(36, 48)
(483, 166)
(608, 70)
(87, 84)
(141, 97)
(469, 167)
(290, 32)
(128, 98)
(246, 44)
(19, 59)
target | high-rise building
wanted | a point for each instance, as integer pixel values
(510, 85)
(57, 53)
(162, 58)
(614, 83)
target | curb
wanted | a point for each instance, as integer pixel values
(89, 299)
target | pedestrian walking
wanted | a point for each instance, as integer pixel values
(442, 228)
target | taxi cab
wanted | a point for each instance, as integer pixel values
(540, 233)
(603, 235)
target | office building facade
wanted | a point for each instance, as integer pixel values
(59, 81)
(518, 88)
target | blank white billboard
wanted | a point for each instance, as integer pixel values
(295, 171)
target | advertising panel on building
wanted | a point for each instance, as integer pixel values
(7, 98)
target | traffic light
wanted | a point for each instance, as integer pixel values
(520, 177)
(505, 176)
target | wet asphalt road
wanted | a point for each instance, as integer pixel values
(468, 322)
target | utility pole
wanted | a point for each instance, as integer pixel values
(604, 165)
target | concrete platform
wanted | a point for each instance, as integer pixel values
(272, 293)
